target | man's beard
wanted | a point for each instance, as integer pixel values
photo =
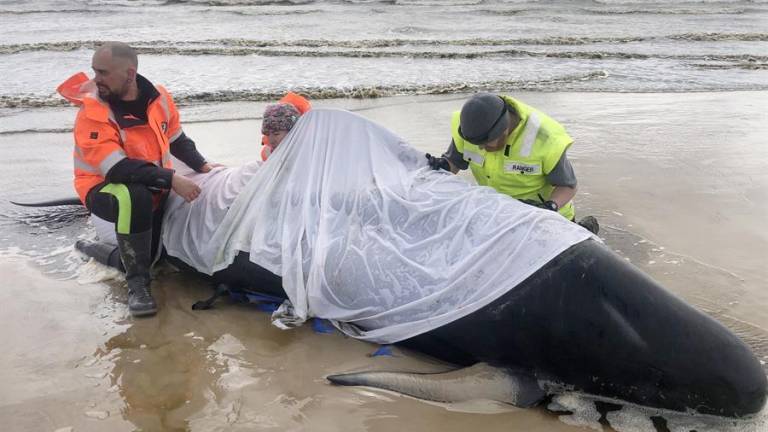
(112, 98)
(109, 95)
(104, 93)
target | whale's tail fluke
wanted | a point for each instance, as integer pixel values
(480, 381)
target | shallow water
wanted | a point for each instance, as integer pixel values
(208, 51)
(651, 167)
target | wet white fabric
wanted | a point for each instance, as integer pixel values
(363, 233)
(188, 227)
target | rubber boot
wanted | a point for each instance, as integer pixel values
(136, 252)
(590, 224)
(103, 253)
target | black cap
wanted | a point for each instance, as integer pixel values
(483, 118)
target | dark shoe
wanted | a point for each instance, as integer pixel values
(103, 253)
(136, 252)
(590, 224)
(140, 300)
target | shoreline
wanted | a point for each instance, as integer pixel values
(193, 113)
(675, 180)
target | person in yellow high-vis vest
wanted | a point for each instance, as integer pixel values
(515, 149)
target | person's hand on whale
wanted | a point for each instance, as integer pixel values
(185, 187)
(546, 205)
(208, 166)
(438, 163)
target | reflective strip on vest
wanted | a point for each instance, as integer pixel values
(167, 110)
(473, 157)
(166, 159)
(108, 162)
(83, 166)
(164, 104)
(531, 130)
(175, 136)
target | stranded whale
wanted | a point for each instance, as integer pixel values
(346, 222)
(590, 322)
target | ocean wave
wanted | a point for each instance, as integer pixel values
(669, 11)
(314, 93)
(50, 46)
(219, 46)
(78, 6)
(52, 11)
(365, 92)
(236, 48)
(30, 101)
(754, 64)
(714, 37)
(103, 6)
(244, 51)
(271, 52)
(438, 2)
(259, 12)
(397, 42)
(503, 12)
(597, 55)
(585, 55)
(315, 43)
(219, 3)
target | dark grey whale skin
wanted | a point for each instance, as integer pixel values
(596, 324)
(592, 321)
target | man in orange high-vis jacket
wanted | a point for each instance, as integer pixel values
(301, 104)
(125, 132)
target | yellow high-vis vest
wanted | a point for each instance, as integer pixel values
(532, 150)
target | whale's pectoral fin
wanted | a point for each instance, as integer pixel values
(480, 381)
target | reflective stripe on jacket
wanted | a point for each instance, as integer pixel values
(532, 150)
(100, 142)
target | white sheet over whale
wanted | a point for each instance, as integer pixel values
(364, 234)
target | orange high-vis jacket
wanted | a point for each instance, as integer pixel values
(100, 142)
(300, 103)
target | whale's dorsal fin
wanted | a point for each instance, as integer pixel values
(480, 381)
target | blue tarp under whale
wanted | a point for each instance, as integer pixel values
(362, 232)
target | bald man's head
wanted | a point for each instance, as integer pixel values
(121, 52)
(115, 64)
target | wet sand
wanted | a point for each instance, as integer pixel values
(676, 180)
(50, 369)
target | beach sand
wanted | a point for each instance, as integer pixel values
(677, 181)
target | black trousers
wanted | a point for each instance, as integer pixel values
(129, 206)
